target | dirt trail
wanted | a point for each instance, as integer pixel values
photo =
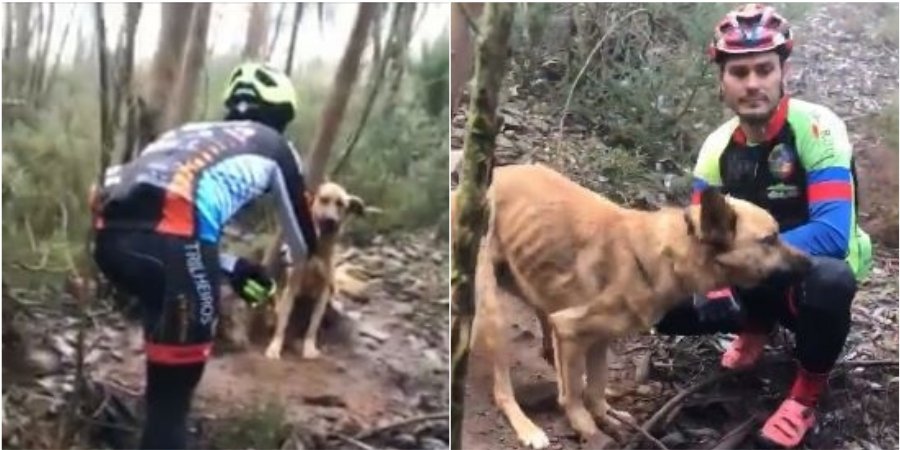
(836, 64)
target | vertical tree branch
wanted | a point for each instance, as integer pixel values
(298, 16)
(478, 151)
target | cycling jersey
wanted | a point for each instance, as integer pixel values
(802, 174)
(193, 179)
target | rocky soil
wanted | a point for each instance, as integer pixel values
(841, 60)
(384, 361)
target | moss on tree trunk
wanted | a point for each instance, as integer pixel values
(478, 152)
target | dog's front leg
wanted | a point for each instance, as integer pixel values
(570, 357)
(597, 378)
(310, 350)
(283, 307)
(282, 313)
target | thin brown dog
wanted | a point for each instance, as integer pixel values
(595, 271)
(331, 208)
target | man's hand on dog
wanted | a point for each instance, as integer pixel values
(717, 305)
(250, 281)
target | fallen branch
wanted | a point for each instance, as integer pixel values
(354, 442)
(400, 424)
(627, 421)
(736, 435)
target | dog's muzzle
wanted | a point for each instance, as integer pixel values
(328, 226)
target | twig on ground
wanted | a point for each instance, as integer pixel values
(354, 442)
(676, 400)
(736, 435)
(624, 419)
(399, 424)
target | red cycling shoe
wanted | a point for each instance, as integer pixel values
(790, 423)
(744, 351)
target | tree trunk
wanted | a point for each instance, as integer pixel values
(40, 62)
(336, 104)
(257, 28)
(278, 20)
(7, 33)
(23, 42)
(461, 58)
(376, 37)
(54, 69)
(126, 93)
(478, 153)
(404, 34)
(298, 15)
(374, 88)
(176, 21)
(186, 90)
(333, 113)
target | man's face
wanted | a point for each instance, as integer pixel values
(751, 85)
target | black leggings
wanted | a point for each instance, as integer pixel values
(816, 309)
(176, 281)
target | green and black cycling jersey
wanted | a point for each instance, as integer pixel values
(802, 174)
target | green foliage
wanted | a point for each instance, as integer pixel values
(886, 122)
(432, 76)
(264, 426)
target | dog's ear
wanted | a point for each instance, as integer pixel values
(717, 219)
(356, 205)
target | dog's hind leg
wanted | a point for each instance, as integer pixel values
(494, 337)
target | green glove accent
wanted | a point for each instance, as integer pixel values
(255, 293)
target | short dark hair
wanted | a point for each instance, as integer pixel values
(725, 57)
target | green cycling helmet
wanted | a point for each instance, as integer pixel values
(260, 93)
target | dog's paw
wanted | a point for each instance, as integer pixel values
(273, 352)
(535, 438)
(310, 351)
(582, 421)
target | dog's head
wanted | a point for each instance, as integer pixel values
(742, 240)
(332, 205)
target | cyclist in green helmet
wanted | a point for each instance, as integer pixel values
(159, 220)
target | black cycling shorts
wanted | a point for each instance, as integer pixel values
(176, 280)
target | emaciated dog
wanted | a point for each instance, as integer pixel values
(595, 271)
(331, 208)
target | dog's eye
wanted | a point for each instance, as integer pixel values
(771, 239)
(340, 204)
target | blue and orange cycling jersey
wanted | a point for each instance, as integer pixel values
(802, 174)
(192, 180)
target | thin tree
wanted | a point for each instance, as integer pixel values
(182, 107)
(54, 69)
(375, 82)
(257, 28)
(176, 21)
(478, 154)
(124, 91)
(298, 16)
(279, 18)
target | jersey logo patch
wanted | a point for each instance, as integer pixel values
(782, 163)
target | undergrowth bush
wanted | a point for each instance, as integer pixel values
(648, 88)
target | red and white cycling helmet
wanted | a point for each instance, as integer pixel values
(753, 28)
